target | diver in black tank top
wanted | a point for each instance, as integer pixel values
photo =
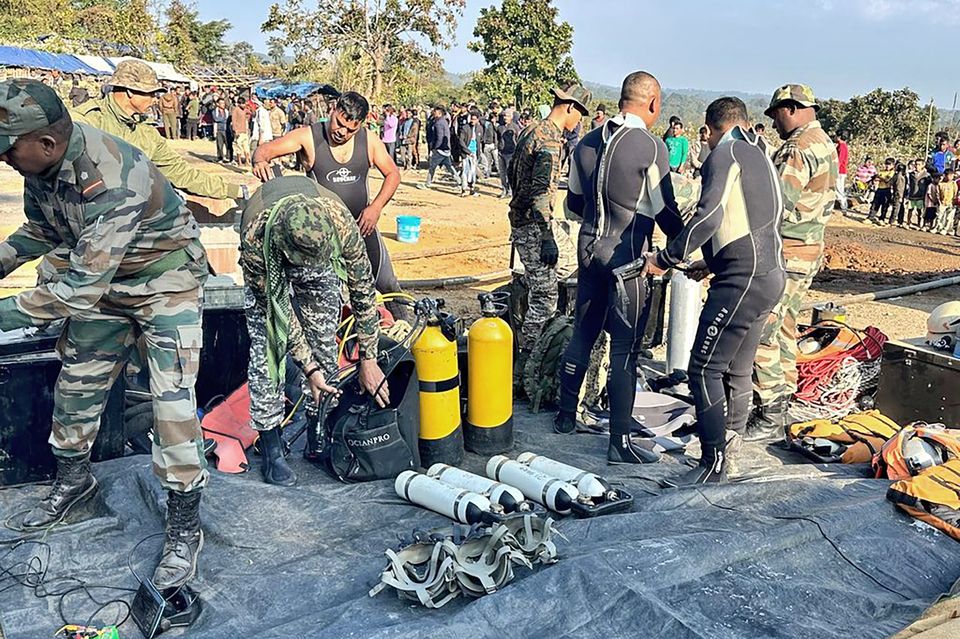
(345, 176)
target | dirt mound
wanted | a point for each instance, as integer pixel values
(853, 256)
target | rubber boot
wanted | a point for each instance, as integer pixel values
(712, 468)
(73, 484)
(273, 466)
(564, 422)
(183, 541)
(623, 450)
(766, 422)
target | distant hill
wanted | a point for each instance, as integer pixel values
(688, 104)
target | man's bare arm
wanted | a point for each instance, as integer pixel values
(297, 141)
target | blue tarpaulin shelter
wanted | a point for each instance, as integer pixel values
(281, 89)
(33, 59)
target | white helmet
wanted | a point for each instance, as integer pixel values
(943, 324)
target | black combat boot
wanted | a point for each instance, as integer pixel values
(766, 422)
(712, 468)
(272, 463)
(564, 422)
(183, 541)
(623, 450)
(73, 484)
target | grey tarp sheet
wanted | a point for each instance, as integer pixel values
(725, 562)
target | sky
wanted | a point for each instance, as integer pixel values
(839, 47)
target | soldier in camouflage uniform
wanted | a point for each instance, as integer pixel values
(136, 269)
(298, 236)
(808, 167)
(134, 88)
(534, 173)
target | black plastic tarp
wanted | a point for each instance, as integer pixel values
(792, 551)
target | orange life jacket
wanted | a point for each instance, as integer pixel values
(933, 496)
(890, 462)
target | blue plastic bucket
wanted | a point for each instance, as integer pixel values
(408, 229)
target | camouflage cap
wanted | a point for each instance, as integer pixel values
(308, 237)
(135, 75)
(575, 93)
(26, 106)
(799, 93)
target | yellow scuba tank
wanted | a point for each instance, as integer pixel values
(435, 353)
(489, 427)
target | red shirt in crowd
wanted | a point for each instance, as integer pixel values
(842, 154)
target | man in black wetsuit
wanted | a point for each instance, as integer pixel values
(620, 185)
(338, 154)
(737, 224)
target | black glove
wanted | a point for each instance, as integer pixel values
(549, 252)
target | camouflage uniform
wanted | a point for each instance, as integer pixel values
(314, 282)
(534, 174)
(808, 167)
(105, 114)
(136, 268)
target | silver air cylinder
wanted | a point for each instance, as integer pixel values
(457, 504)
(685, 305)
(555, 494)
(507, 496)
(589, 484)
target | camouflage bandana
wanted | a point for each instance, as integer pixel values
(278, 302)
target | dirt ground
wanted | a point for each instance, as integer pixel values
(470, 236)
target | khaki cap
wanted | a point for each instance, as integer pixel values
(136, 76)
(799, 93)
(575, 93)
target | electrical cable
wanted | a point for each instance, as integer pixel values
(34, 577)
(823, 534)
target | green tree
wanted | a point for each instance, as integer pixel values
(188, 40)
(379, 35)
(526, 50)
(884, 118)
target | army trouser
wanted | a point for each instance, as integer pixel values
(316, 301)
(165, 312)
(775, 365)
(52, 268)
(541, 283)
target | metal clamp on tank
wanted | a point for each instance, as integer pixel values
(509, 498)
(597, 496)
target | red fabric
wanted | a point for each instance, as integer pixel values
(228, 423)
(843, 154)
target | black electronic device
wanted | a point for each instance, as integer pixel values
(147, 609)
(156, 612)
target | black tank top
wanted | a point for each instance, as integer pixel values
(348, 180)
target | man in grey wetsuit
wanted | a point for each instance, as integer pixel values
(737, 224)
(620, 185)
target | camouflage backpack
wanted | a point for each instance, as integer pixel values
(541, 374)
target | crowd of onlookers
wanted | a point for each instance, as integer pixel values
(919, 194)
(475, 144)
